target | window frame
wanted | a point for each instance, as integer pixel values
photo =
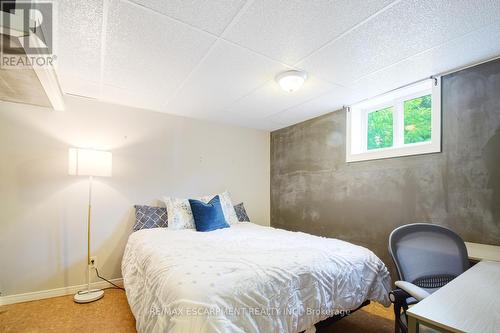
(357, 124)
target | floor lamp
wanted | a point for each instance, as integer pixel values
(91, 163)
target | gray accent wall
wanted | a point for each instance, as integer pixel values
(314, 190)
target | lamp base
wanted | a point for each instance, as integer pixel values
(87, 296)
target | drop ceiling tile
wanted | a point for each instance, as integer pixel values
(142, 100)
(148, 53)
(271, 99)
(403, 30)
(231, 118)
(76, 85)
(78, 40)
(331, 101)
(228, 73)
(290, 30)
(472, 48)
(212, 16)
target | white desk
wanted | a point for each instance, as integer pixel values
(480, 252)
(469, 303)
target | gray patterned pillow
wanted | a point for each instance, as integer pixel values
(147, 217)
(241, 213)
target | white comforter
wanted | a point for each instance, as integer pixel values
(246, 278)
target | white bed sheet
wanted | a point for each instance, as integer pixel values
(246, 278)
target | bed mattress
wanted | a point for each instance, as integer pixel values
(247, 278)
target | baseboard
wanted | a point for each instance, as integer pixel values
(33, 296)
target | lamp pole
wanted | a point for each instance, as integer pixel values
(89, 213)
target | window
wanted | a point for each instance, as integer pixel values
(404, 122)
(380, 128)
(417, 116)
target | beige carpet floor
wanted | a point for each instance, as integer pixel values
(112, 314)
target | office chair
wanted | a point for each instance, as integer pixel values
(427, 256)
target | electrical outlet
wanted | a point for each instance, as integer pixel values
(93, 262)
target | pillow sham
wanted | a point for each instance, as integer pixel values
(180, 215)
(179, 212)
(147, 217)
(241, 213)
(227, 206)
(208, 216)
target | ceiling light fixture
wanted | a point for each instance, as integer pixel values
(291, 81)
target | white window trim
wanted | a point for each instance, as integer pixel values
(400, 149)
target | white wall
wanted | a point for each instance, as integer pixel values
(43, 210)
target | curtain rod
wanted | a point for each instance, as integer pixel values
(456, 69)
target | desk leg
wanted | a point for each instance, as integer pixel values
(412, 325)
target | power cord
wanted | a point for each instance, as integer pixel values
(100, 277)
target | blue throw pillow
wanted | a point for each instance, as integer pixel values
(208, 216)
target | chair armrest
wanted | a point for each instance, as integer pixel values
(415, 291)
(398, 296)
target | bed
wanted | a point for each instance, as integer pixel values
(246, 278)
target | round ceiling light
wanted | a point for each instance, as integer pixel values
(291, 81)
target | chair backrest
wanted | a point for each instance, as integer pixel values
(427, 255)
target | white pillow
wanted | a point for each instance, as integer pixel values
(180, 215)
(227, 206)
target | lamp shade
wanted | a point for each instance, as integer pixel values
(89, 162)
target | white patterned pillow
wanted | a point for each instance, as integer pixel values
(179, 212)
(228, 208)
(181, 217)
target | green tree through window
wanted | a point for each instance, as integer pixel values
(417, 119)
(380, 128)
